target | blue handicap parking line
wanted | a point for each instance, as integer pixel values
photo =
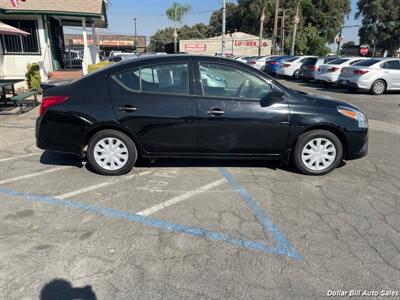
(283, 247)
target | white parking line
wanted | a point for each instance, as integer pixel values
(32, 175)
(100, 185)
(18, 156)
(181, 198)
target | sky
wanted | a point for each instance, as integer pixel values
(150, 15)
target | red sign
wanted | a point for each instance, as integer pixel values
(195, 47)
(249, 43)
(364, 50)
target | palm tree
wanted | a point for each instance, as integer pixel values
(176, 13)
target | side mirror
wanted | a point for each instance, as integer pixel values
(275, 96)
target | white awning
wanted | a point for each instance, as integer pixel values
(9, 30)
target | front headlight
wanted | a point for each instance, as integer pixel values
(354, 114)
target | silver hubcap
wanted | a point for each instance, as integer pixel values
(318, 154)
(379, 87)
(111, 154)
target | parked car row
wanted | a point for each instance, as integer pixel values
(376, 75)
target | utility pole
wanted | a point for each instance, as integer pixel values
(296, 21)
(283, 32)
(275, 26)
(339, 41)
(223, 27)
(262, 19)
(135, 38)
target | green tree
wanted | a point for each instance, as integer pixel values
(380, 24)
(176, 13)
(326, 17)
(164, 37)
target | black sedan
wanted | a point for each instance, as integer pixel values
(182, 106)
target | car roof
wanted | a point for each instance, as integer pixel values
(143, 60)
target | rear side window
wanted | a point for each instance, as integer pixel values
(356, 61)
(292, 59)
(338, 61)
(367, 62)
(310, 61)
(162, 78)
(392, 65)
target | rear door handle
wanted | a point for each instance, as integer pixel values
(215, 111)
(127, 108)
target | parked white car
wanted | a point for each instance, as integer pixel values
(244, 59)
(330, 72)
(258, 62)
(377, 75)
(291, 66)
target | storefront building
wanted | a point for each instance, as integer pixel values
(236, 44)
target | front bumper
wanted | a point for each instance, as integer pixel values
(357, 144)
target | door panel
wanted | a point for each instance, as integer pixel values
(163, 118)
(244, 127)
(231, 117)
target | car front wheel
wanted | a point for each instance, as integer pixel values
(111, 152)
(317, 152)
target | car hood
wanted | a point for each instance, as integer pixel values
(321, 100)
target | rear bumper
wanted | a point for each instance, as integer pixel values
(47, 138)
(348, 82)
(327, 78)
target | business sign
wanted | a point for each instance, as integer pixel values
(249, 43)
(195, 47)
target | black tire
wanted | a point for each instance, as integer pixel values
(109, 133)
(296, 75)
(352, 89)
(378, 87)
(305, 138)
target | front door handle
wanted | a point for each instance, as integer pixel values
(215, 111)
(127, 108)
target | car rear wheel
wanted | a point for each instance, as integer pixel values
(378, 87)
(317, 152)
(111, 152)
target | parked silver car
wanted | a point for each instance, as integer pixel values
(377, 75)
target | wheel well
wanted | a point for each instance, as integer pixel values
(336, 132)
(98, 129)
(380, 79)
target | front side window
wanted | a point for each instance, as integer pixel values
(225, 81)
(15, 44)
(393, 65)
(163, 78)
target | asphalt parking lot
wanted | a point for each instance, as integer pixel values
(200, 229)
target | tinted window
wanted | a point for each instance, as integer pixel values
(310, 61)
(225, 81)
(338, 61)
(367, 62)
(393, 65)
(329, 59)
(130, 79)
(292, 59)
(354, 62)
(163, 78)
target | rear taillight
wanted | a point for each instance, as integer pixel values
(251, 62)
(311, 68)
(319, 69)
(286, 65)
(273, 63)
(360, 72)
(50, 101)
(333, 69)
